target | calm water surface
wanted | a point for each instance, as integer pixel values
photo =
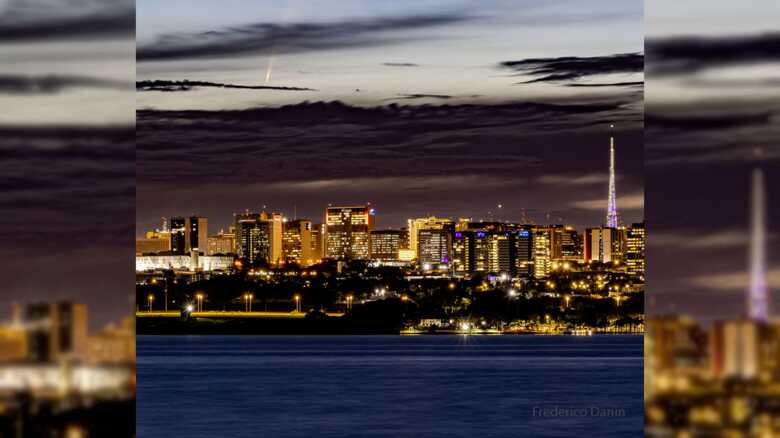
(389, 386)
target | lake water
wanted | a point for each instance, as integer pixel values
(389, 386)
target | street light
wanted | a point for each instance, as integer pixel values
(248, 302)
(297, 303)
(149, 300)
(567, 298)
(200, 302)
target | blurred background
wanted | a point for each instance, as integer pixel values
(712, 162)
(67, 192)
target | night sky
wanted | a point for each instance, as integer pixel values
(443, 108)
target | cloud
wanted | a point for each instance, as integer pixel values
(421, 96)
(628, 202)
(692, 54)
(610, 84)
(692, 240)
(569, 68)
(50, 84)
(268, 38)
(185, 85)
(733, 281)
(589, 179)
(400, 64)
(30, 20)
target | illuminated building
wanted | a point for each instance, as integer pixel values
(221, 243)
(566, 243)
(277, 225)
(55, 331)
(113, 345)
(434, 245)
(385, 244)
(482, 251)
(523, 254)
(635, 250)
(428, 223)
(178, 232)
(183, 262)
(197, 230)
(296, 242)
(153, 242)
(318, 241)
(604, 244)
(542, 252)
(348, 232)
(259, 237)
(499, 255)
(463, 252)
(13, 344)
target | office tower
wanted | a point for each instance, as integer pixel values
(259, 237)
(178, 230)
(153, 242)
(463, 252)
(499, 255)
(276, 227)
(221, 243)
(296, 242)
(196, 232)
(416, 225)
(253, 237)
(348, 232)
(434, 245)
(542, 252)
(318, 241)
(523, 252)
(612, 216)
(385, 244)
(603, 244)
(569, 243)
(635, 250)
(56, 331)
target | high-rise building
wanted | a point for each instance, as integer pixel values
(635, 250)
(348, 232)
(542, 252)
(385, 244)
(296, 242)
(277, 225)
(434, 246)
(56, 331)
(415, 225)
(499, 256)
(178, 230)
(463, 252)
(604, 244)
(523, 252)
(196, 232)
(221, 243)
(318, 241)
(255, 238)
(566, 243)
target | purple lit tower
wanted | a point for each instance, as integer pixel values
(758, 302)
(612, 219)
